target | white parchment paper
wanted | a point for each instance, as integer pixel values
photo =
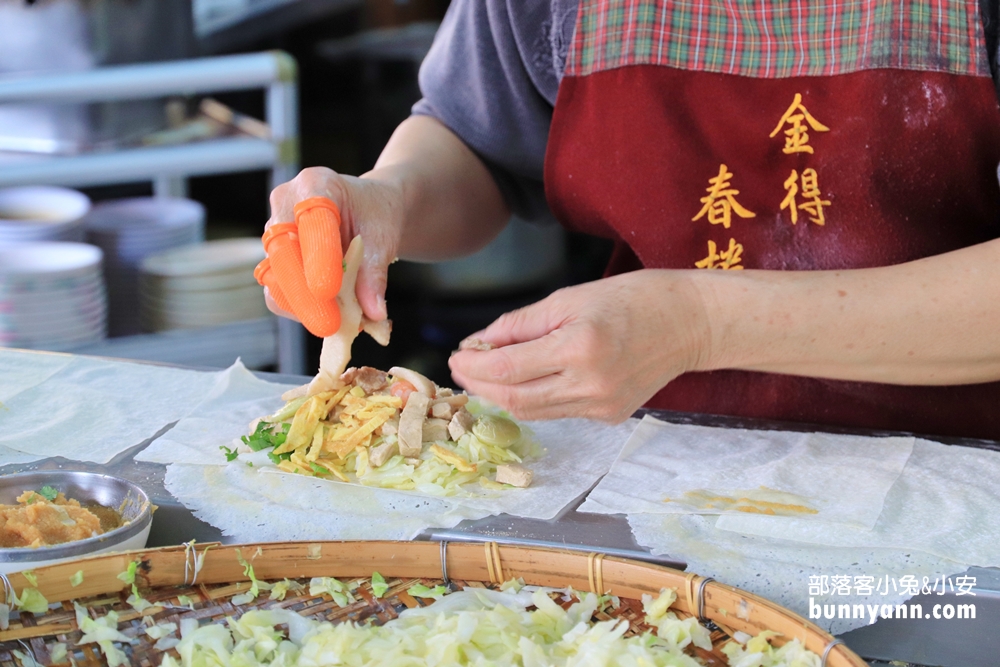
(672, 468)
(92, 409)
(944, 503)
(20, 370)
(10, 456)
(236, 398)
(251, 507)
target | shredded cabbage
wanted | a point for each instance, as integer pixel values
(676, 632)
(76, 579)
(280, 589)
(161, 630)
(379, 587)
(103, 631)
(31, 600)
(30, 576)
(256, 585)
(469, 627)
(26, 657)
(758, 652)
(128, 576)
(58, 653)
(335, 588)
(137, 602)
(421, 591)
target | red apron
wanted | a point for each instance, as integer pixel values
(789, 136)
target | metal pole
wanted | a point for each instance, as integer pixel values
(170, 186)
(282, 115)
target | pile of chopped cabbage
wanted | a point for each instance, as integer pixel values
(521, 626)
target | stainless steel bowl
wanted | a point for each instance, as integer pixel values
(86, 487)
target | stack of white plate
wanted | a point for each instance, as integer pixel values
(41, 213)
(128, 230)
(51, 296)
(201, 285)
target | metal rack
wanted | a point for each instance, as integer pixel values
(169, 167)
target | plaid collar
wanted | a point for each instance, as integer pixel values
(781, 38)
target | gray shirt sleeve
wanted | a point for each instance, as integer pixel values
(492, 77)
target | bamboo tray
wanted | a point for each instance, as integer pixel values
(166, 573)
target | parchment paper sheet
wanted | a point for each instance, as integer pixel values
(20, 370)
(251, 507)
(236, 398)
(944, 503)
(12, 456)
(92, 409)
(671, 468)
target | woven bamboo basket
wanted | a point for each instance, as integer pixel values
(169, 572)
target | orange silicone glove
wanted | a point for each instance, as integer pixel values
(303, 269)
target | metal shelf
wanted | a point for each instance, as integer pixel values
(168, 167)
(216, 156)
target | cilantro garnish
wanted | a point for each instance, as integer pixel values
(266, 435)
(278, 458)
(48, 492)
(231, 454)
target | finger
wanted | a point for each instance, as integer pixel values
(310, 182)
(265, 277)
(551, 397)
(320, 317)
(512, 364)
(282, 202)
(528, 323)
(372, 280)
(275, 308)
(542, 398)
(318, 220)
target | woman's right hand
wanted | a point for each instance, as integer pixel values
(371, 208)
(429, 197)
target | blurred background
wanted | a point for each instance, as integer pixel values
(139, 140)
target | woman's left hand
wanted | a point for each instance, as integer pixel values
(597, 350)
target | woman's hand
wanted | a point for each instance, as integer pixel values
(371, 208)
(597, 350)
(428, 198)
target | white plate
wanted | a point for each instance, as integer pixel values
(66, 327)
(207, 315)
(56, 343)
(49, 261)
(216, 299)
(67, 233)
(158, 320)
(15, 288)
(161, 285)
(40, 317)
(41, 208)
(139, 215)
(206, 258)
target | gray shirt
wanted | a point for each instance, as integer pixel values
(492, 77)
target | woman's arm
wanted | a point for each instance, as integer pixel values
(451, 204)
(933, 321)
(603, 349)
